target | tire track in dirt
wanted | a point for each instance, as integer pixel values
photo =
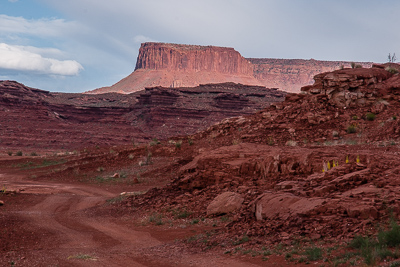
(106, 242)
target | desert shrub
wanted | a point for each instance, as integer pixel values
(355, 117)
(313, 254)
(156, 218)
(359, 241)
(34, 154)
(370, 116)
(154, 142)
(19, 153)
(181, 213)
(390, 238)
(355, 66)
(351, 129)
(147, 160)
(195, 221)
(377, 248)
(391, 70)
(9, 153)
(241, 240)
(394, 117)
(178, 144)
(190, 141)
(270, 141)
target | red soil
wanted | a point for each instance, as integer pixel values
(276, 160)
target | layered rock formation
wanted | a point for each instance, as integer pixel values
(174, 65)
(292, 74)
(36, 118)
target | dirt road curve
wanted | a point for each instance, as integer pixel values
(67, 235)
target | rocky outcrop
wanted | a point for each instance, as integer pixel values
(351, 87)
(175, 65)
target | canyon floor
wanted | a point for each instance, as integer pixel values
(314, 180)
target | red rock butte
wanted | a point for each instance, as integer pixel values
(177, 65)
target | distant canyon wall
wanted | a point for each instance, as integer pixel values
(177, 65)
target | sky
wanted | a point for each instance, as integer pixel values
(80, 45)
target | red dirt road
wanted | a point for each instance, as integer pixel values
(49, 224)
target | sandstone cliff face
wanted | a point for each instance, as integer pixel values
(174, 65)
(189, 58)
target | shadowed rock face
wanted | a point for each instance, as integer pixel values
(175, 65)
(34, 118)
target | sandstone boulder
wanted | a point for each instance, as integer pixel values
(362, 211)
(225, 203)
(272, 205)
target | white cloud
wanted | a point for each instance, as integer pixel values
(46, 27)
(142, 39)
(22, 58)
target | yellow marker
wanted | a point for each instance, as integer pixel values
(358, 159)
(347, 159)
(324, 167)
(329, 165)
(333, 164)
(337, 163)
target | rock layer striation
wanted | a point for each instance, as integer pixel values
(175, 65)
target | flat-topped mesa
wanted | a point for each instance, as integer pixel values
(176, 57)
(175, 65)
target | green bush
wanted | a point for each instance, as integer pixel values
(370, 116)
(313, 254)
(178, 144)
(351, 129)
(390, 238)
(19, 153)
(377, 248)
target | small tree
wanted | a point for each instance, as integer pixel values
(392, 58)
